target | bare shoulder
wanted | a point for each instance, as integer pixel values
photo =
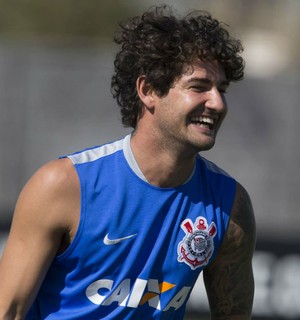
(57, 174)
(54, 188)
(44, 222)
(47, 209)
(241, 233)
(242, 217)
(229, 279)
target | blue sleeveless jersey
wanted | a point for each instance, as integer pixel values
(139, 249)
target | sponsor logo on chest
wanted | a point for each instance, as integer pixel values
(133, 295)
(195, 250)
(197, 246)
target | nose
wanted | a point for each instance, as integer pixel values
(216, 100)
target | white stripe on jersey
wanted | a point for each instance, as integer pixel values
(93, 154)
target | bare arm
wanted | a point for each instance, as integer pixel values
(229, 279)
(44, 221)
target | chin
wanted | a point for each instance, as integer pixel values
(205, 145)
(201, 147)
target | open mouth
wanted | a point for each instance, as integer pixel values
(203, 121)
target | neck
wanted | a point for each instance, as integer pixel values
(160, 164)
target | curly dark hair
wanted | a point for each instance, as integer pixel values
(159, 45)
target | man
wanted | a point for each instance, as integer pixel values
(123, 230)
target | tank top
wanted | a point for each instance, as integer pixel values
(139, 249)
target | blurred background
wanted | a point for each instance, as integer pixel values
(56, 62)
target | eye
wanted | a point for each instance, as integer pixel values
(198, 88)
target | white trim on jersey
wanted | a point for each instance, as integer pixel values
(131, 159)
(93, 154)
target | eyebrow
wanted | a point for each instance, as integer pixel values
(208, 81)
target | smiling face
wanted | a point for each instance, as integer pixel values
(190, 115)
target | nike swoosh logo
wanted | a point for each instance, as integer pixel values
(109, 242)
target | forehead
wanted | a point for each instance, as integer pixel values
(212, 71)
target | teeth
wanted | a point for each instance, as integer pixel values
(202, 119)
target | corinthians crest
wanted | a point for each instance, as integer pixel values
(197, 247)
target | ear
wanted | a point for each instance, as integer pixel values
(145, 92)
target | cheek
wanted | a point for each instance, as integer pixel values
(177, 107)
